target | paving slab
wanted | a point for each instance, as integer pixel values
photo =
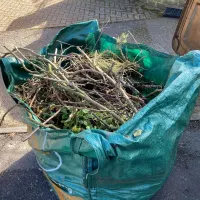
(29, 14)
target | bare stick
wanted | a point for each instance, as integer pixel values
(94, 103)
(110, 79)
(50, 118)
(43, 125)
(87, 82)
(58, 55)
(90, 109)
(134, 39)
(34, 97)
(138, 99)
(104, 123)
(54, 58)
(51, 79)
(2, 119)
(149, 86)
(154, 92)
(82, 71)
(59, 99)
(122, 54)
(83, 95)
(24, 57)
(101, 33)
(20, 60)
(39, 56)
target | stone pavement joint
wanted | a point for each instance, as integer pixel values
(29, 14)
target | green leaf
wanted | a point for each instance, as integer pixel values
(80, 113)
(90, 116)
(76, 129)
(85, 123)
(85, 111)
(65, 116)
(109, 120)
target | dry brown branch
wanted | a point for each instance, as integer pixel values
(99, 83)
(49, 119)
(110, 79)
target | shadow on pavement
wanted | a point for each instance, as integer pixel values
(183, 182)
(24, 181)
(54, 15)
(45, 15)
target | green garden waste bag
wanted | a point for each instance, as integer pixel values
(99, 165)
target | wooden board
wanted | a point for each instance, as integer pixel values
(19, 129)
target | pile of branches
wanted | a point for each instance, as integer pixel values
(81, 91)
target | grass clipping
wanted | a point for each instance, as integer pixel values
(86, 91)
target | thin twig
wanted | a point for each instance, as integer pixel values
(110, 79)
(81, 108)
(49, 119)
(154, 92)
(100, 82)
(3, 117)
(94, 103)
(43, 125)
(39, 56)
(54, 58)
(104, 123)
(20, 60)
(34, 97)
(24, 57)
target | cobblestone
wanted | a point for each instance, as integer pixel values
(164, 3)
(30, 14)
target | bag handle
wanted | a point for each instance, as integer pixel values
(92, 145)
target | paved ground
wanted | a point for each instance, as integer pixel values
(15, 14)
